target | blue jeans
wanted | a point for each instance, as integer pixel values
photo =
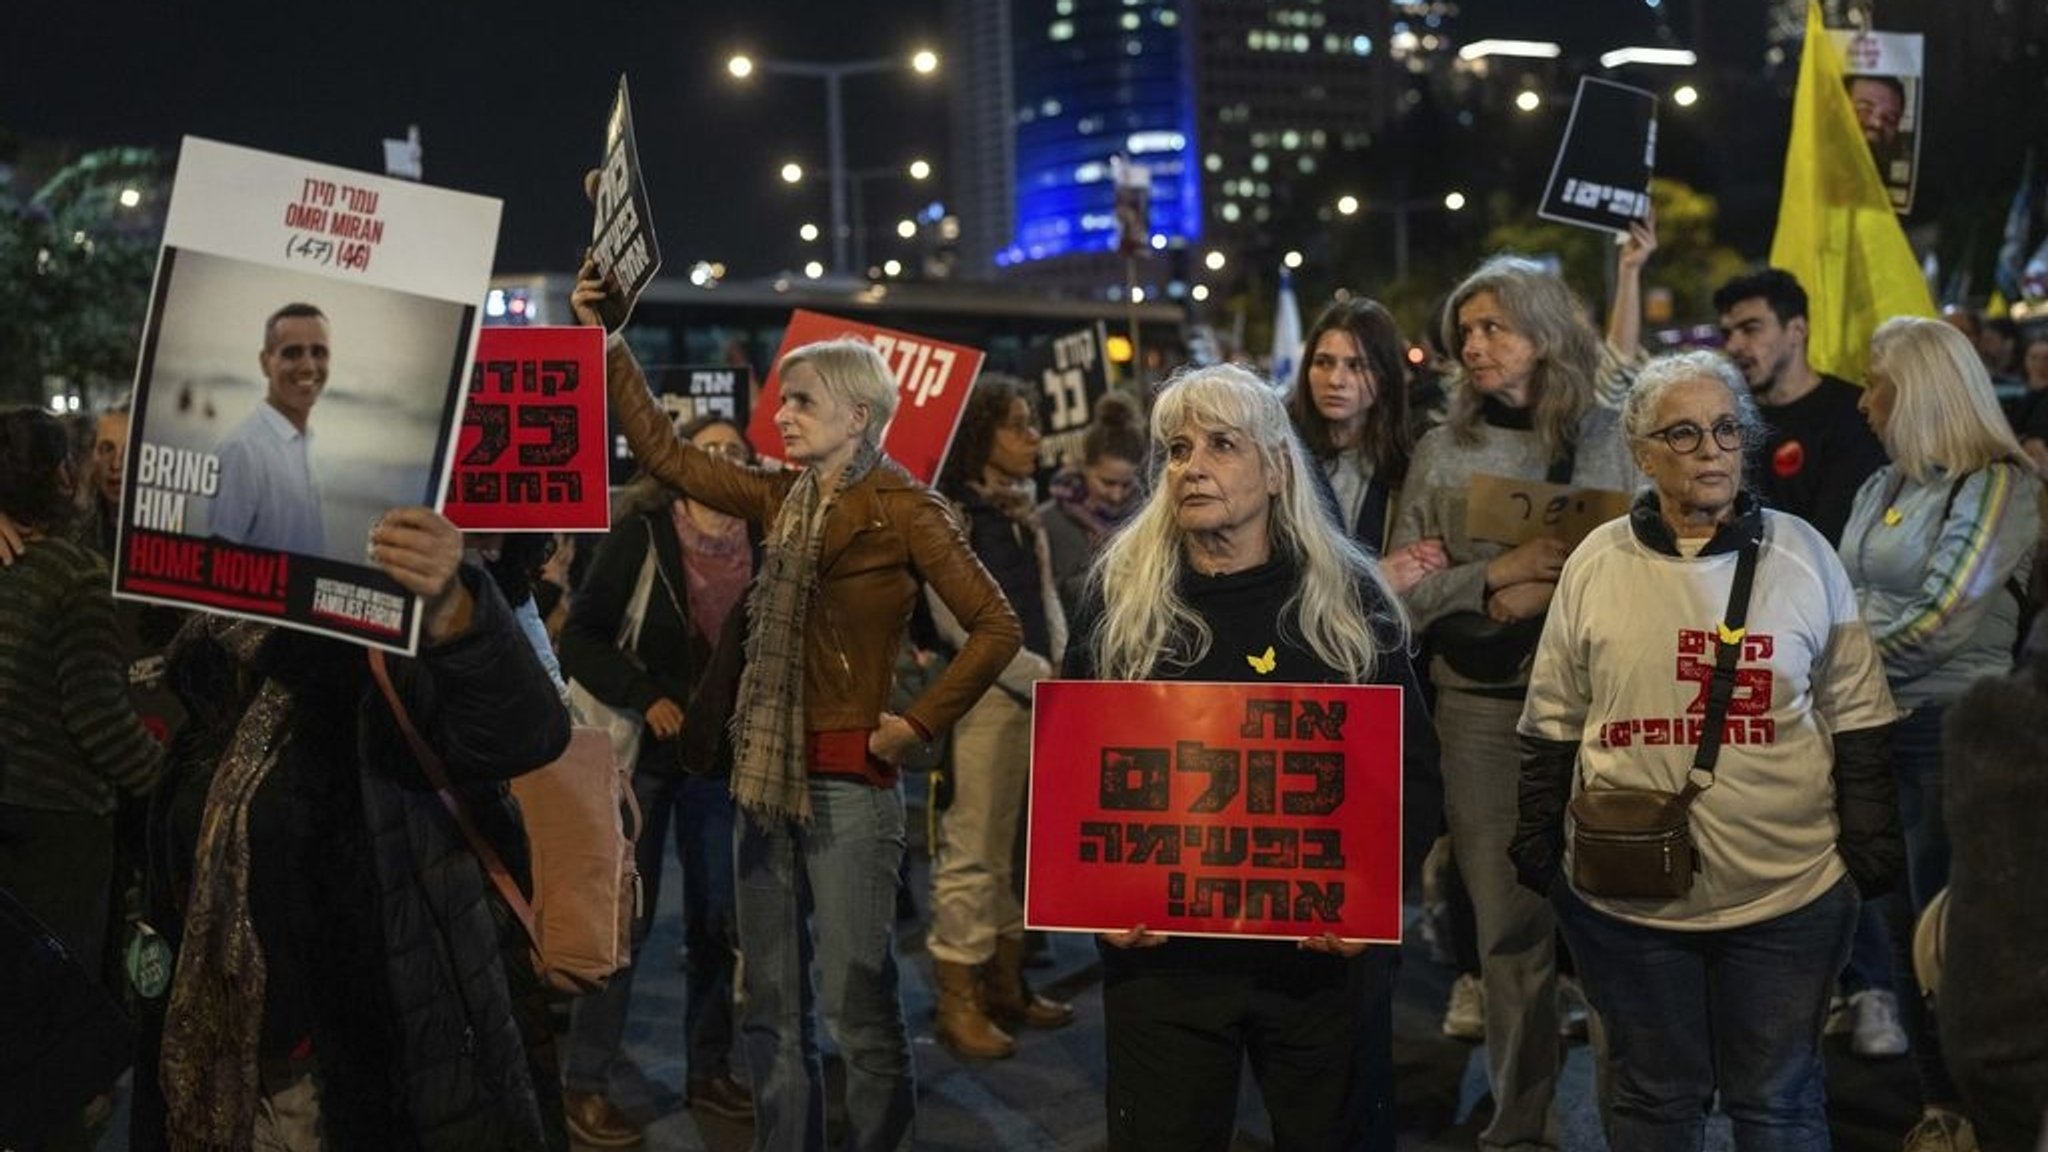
(1738, 1010)
(825, 892)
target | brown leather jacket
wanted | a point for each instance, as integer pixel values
(882, 536)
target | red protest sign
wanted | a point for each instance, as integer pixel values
(530, 454)
(1248, 810)
(932, 377)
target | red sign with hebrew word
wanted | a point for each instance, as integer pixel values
(932, 379)
(1253, 810)
(531, 452)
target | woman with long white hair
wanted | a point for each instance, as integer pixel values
(1233, 553)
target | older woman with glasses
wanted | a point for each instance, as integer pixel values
(1720, 983)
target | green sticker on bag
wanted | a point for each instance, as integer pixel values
(147, 960)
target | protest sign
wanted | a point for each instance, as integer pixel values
(1254, 810)
(1601, 178)
(932, 379)
(530, 456)
(302, 370)
(1512, 511)
(622, 231)
(686, 392)
(1883, 72)
(1072, 373)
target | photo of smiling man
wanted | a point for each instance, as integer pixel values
(269, 493)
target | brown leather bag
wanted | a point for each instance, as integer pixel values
(1633, 843)
(1636, 843)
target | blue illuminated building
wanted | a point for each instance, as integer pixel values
(1094, 80)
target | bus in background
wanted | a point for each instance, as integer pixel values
(741, 324)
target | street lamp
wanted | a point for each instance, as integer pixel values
(1454, 201)
(1347, 205)
(1685, 96)
(1528, 100)
(809, 232)
(792, 173)
(920, 170)
(924, 62)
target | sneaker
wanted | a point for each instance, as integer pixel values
(1838, 1016)
(1941, 1130)
(1874, 1024)
(1571, 1008)
(1465, 1017)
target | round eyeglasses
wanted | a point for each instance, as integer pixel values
(1684, 437)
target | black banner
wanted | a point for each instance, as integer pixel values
(1602, 175)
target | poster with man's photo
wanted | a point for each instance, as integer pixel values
(1883, 71)
(302, 372)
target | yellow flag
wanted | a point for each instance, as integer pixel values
(1836, 228)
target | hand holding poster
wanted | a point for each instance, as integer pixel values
(1216, 809)
(1601, 178)
(1513, 511)
(932, 377)
(531, 453)
(303, 363)
(622, 233)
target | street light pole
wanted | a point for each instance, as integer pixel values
(834, 74)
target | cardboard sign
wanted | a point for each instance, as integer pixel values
(932, 378)
(263, 443)
(1072, 372)
(531, 453)
(1511, 511)
(686, 392)
(1253, 810)
(1601, 178)
(622, 234)
(1883, 73)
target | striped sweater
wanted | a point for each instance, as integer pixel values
(1932, 585)
(68, 734)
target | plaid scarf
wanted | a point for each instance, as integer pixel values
(770, 777)
(216, 1007)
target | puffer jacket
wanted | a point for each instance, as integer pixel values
(391, 959)
(883, 535)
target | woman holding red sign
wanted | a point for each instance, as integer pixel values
(1235, 570)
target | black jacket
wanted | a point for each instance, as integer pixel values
(673, 659)
(386, 947)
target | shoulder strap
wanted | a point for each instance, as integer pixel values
(437, 775)
(1728, 650)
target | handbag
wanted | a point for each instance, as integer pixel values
(624, 726)
(581, 821)
(1636, 843)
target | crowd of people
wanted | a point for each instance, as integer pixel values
(1768, 652)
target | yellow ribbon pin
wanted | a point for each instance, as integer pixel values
(1730, 635)
(1263, 665)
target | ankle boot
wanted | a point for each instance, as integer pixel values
(964, 1025)
(1011, 1002)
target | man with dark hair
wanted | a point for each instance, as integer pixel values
(269, 492)
(1880, 104)
(1819, 449)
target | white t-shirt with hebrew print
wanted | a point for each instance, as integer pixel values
(1623, 670)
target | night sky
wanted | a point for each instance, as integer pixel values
(512, 106)
(508, 105)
